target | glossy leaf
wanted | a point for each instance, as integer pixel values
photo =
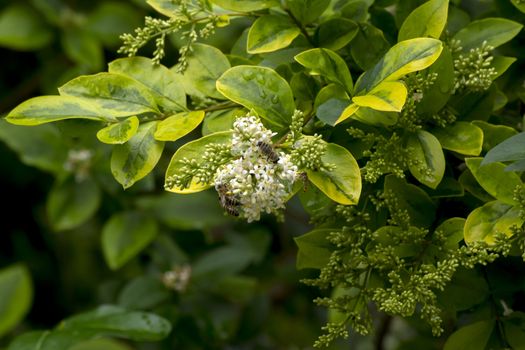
(405, 57)
(205, 65)
(512, 148)
(72, 202)
(336, 33)
(428, 20)
(467, 289)
(143, 292)
(119, 133)
(452, 229)
(178, 125)
(221, 120)
(45, 109)
(246, 5)
(368, 46)
(369, 116)
(328, 64)
(118, 95)
(16, 296)
(343, 184)
(125, 235)
(307, 11)
(115, 321)
(494, 134)
(193, 150)
(389, 96)
(520, 5)
(461, 137)
(448, 187)
(314, 249)
(501, 64)
(495, 180)
(135, 159)
(495, 31)
(494, 217)
(165, 86)
(51, 340)
(270, 33)
(427, 152)
(260, 89)
(413, 199)
(96, 344)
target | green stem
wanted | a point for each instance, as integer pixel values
(301, 27)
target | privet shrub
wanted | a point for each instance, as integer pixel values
(375, 115)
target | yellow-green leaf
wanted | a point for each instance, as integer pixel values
(426, 151)
(389, 96)
(246, 5)
(328, 64)
(405, 57)
(462, 137)
(193, 150)
(118, 95)
(260, 89)
(271, 33)
(166, 87)
(178, 125)
(136, 158)
(45, 109)
(495, 180)
(347, 113)
(16, 294)
(343, 183)
(120, 132)
(428, 20)
(495, 31)
(493, 218)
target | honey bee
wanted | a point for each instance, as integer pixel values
(268, 150)
(229, 202)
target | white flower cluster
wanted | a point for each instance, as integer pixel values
(260, 178)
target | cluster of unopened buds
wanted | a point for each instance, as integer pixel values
(259, 178)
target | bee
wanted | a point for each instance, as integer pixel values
(229, 202)
(268, 150)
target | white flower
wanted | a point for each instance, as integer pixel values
(257, 183)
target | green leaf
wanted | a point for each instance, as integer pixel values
(461, 137)
(494, 217)
(369, 116)
(120, 132)
(115, 321)
(21, 28)
(39, 146)
(420, 208)
(221, 120)
(336, 33)
(16, 295)
(178, 125)
(270, 33)
(452, 229)
(448, 187)
(428, 20)
(260, 89)
(125, 235)
(143, 292)
(467, 289)
(389, 96)
(198, 211)
(495, 180)
(314, 249)
(436, 96)
(136, 158)
(246, 5)
(307, 11)
(495, 31)
(45, 109)
(205, 65)
(117, 94)
(520, 5)
(501, 64)
(343, 184)
(328, 64)
(472, 336)
(427, 152)
(470, 184)
(493, 135)
(51, 340)
(329, 103)
(405, 57)
(368, 46)
(166, 7)
(193, 150)
(512, 148)
(97, 344)
(164, 85)
(72, 202)
(83, 48)
(514, 326)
